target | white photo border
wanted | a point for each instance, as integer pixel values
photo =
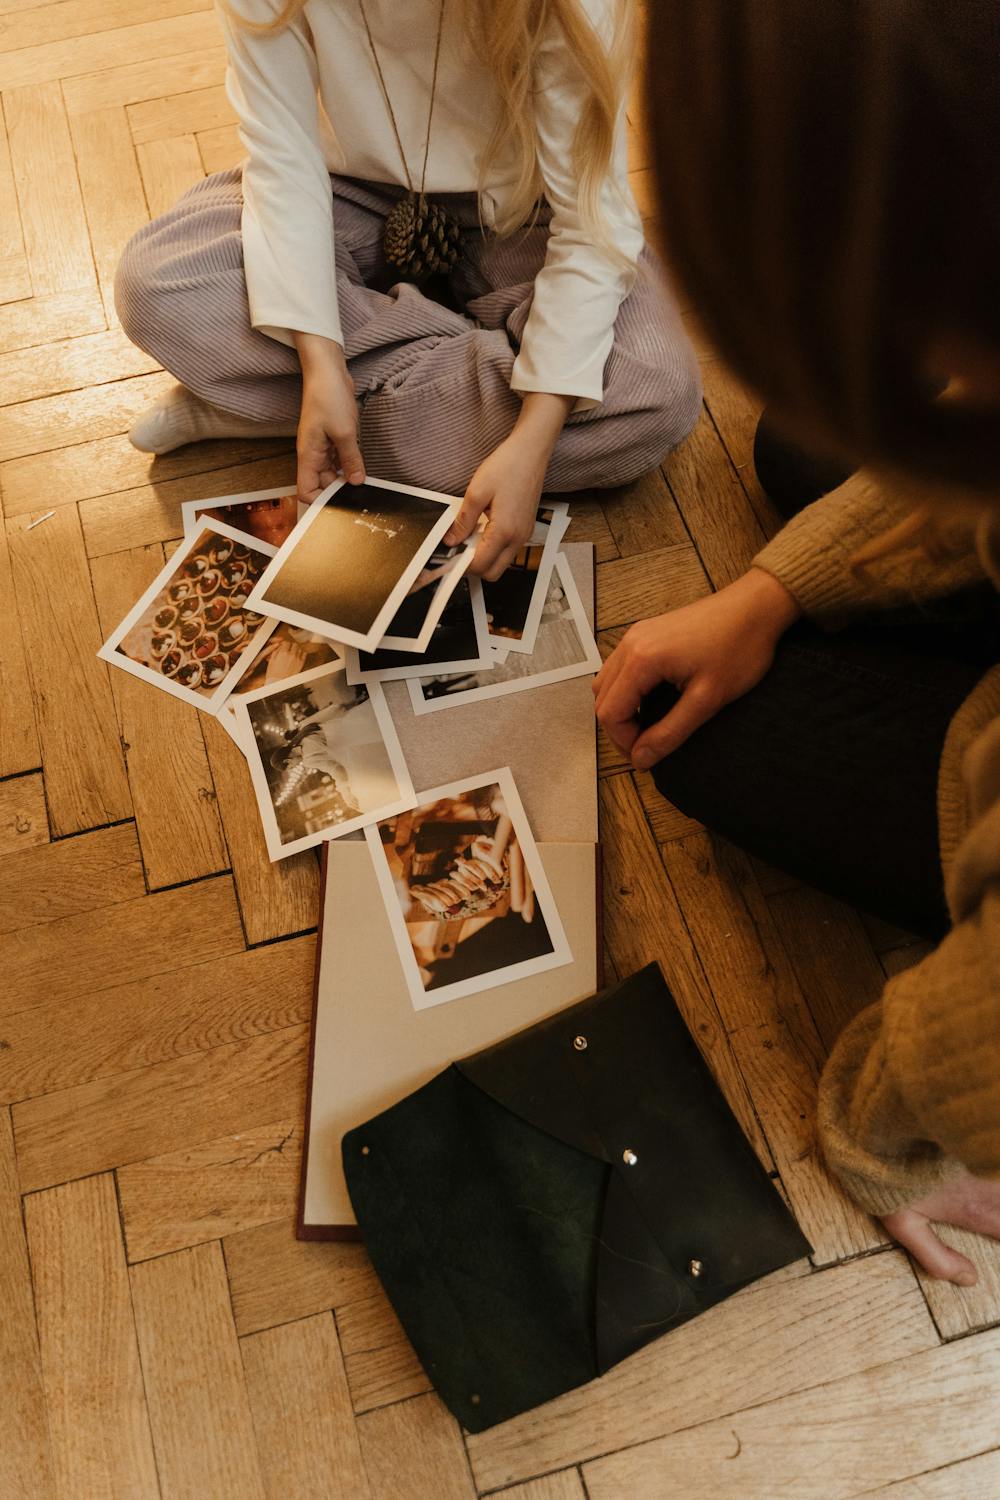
(420, 668)
(191, 510)
(451, 577)
(209, 704)
(554, 531)
(246, 740)
(368, 642)
(561, 952)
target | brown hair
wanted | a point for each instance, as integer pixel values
(830, 201)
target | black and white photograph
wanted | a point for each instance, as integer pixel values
(564, 647)
(324, 759)
(460, 641)
(287, 652)
(515, 601)
(466, 894)
(193, 630)
(416, 619)
(262, 515)
(352, 559)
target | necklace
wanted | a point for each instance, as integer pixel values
(420, 238)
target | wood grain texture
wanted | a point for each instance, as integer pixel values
(173, 795)
(160, 1109)
(643, 516)
(415, 1448)
(195, 1386)
(766, 1342)
(101, 1442)
(24, 823)
(714, 504)
(184, 113)
(632, 588)
(51, 208)
(154, 1019)
(735, 412)
(85, 781)
(168, 169)
(148, 78)
(78, 18)
(275, 1278)
(19, 746)
(78, 875)
(567, 1485)
(76, 56)
(642, 924)
(63, 315)
(829, 950)
(972, 1479)
(958, 1310)
(218, 1187)
(15, 277)
(847, 1437)
(152, 513)
(73, 955)
(588, 523)
(67, 366)
(114, 199)
(275, 899)
(381, 1364)
(772, 1034)
(25, 1454)
(220, 148)
(54, 422)
(666, 821)
(302, 1412)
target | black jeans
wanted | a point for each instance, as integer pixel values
(828, 767)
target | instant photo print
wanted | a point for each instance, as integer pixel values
(459, 643)
(352, 559)
(261, 515)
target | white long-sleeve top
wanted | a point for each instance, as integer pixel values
(309, 103)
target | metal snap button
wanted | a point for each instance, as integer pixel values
(580, 1043)
(695, 1267)
(629, 1157)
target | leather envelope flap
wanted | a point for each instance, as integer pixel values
(620, 1077)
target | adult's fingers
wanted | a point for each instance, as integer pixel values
(916, 1234)
(464, 523)
(696, 704)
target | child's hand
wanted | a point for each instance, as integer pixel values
(328, 420)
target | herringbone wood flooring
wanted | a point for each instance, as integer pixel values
(162, 1331)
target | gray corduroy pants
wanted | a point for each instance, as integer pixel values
(433, 384)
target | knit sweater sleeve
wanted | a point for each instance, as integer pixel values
(911, 1092)
(287, 221)
(812, 555)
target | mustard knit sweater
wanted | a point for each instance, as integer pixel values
(911, 1091)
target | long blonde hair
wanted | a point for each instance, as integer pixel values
(507, 36)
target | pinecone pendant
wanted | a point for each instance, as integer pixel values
(421, 238)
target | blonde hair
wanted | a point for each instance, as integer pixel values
(507, 35)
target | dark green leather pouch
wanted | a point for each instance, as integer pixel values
(543, 1209)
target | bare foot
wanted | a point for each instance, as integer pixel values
(967, 1202)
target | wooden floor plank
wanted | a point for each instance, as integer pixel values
(643, 516)
(847, 1437)
(829, 950)
(24, 823)
(643, 924)
(77, 56)
(114, 200)
(193, 1008)
(184, 113)
(275, 899)
(772, 1339)
(75, 955)
(275, 1278)
(19, 744)
(32, 428)
(713, 504)
(958, 1310)
(40, 320)
(218, 1187)
(302, 1412)
(970, 1479)
(415, 1448)
(152, 512)
(633, 588)
(168, 169)
(85, 874)
(159, 1109)
(566, 1485)
(51, 208)
(25, 1454)
(382, 1366)
(772, 1034)
(109, 465)
(26, 374)
(666, 821)
(220, 149)
(735, 412)
(78, 18)
(195, 1386)
(93, 1384)
(150, 77)
(85, 780)
(173, 794)
(588, 523)
(15, 277)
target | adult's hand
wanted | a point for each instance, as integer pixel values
(327, 438)
(967, 1202)
(507, 486)
(713, 651)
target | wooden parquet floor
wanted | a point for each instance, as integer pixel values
(162, 1333)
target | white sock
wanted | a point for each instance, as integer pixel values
(180, 417)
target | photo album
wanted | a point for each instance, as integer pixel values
(367, 677)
